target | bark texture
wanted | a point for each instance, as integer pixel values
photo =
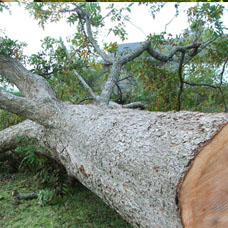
(134, 160)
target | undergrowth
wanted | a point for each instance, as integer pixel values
(58, 204)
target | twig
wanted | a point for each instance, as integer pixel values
(88, 98)
(200, 84)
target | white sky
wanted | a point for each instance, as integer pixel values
(21, 26)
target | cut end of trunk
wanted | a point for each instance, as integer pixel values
(204, 192)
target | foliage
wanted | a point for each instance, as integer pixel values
(207, 16)
(52, 63)
(3, 7)
(155, 83)
(46, 196)
(7, 119)
(131, 1)
(161, 80)
(27, 150)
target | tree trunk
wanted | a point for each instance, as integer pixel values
(155, 169)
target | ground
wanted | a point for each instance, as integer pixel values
(79, 208)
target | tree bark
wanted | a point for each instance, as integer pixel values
(135, 160)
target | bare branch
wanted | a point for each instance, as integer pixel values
(78, 75)
(139, 28)
(135, 53)
(223, 99)
(114, 105)
(200, 84)
(145, 46)
(85, 85)
(31, 85)
(107, 15)
(135, 105)
(125, 78)
(110, 83)
(175, 16)
(90, 35)
(180, 69)
(9, 137)
(220, 85)
(87, 98)
(120, 94)
(206, 43)
(165, 57)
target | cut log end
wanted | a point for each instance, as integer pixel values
(204, 193)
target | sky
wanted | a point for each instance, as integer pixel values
(20, 25)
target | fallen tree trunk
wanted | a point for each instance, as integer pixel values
(152, 168)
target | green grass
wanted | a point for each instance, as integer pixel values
(80, 208)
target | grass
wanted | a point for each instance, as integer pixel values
(78, 209)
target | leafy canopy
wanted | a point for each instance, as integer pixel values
(153, 82)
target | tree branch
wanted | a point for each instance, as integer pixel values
(134, 53)
(223, 70)
(223, 99)
(94, 96)
(135, 105)
(165, 57)
(85, 99)
(181, 81)
(198, 50)
(120, 94)
(82, 12)
(9, 137)
(220, 85)
(104, 98)
(200, 84)
(31, 85)
(43, 113)
(127, 77)
(145, 46)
